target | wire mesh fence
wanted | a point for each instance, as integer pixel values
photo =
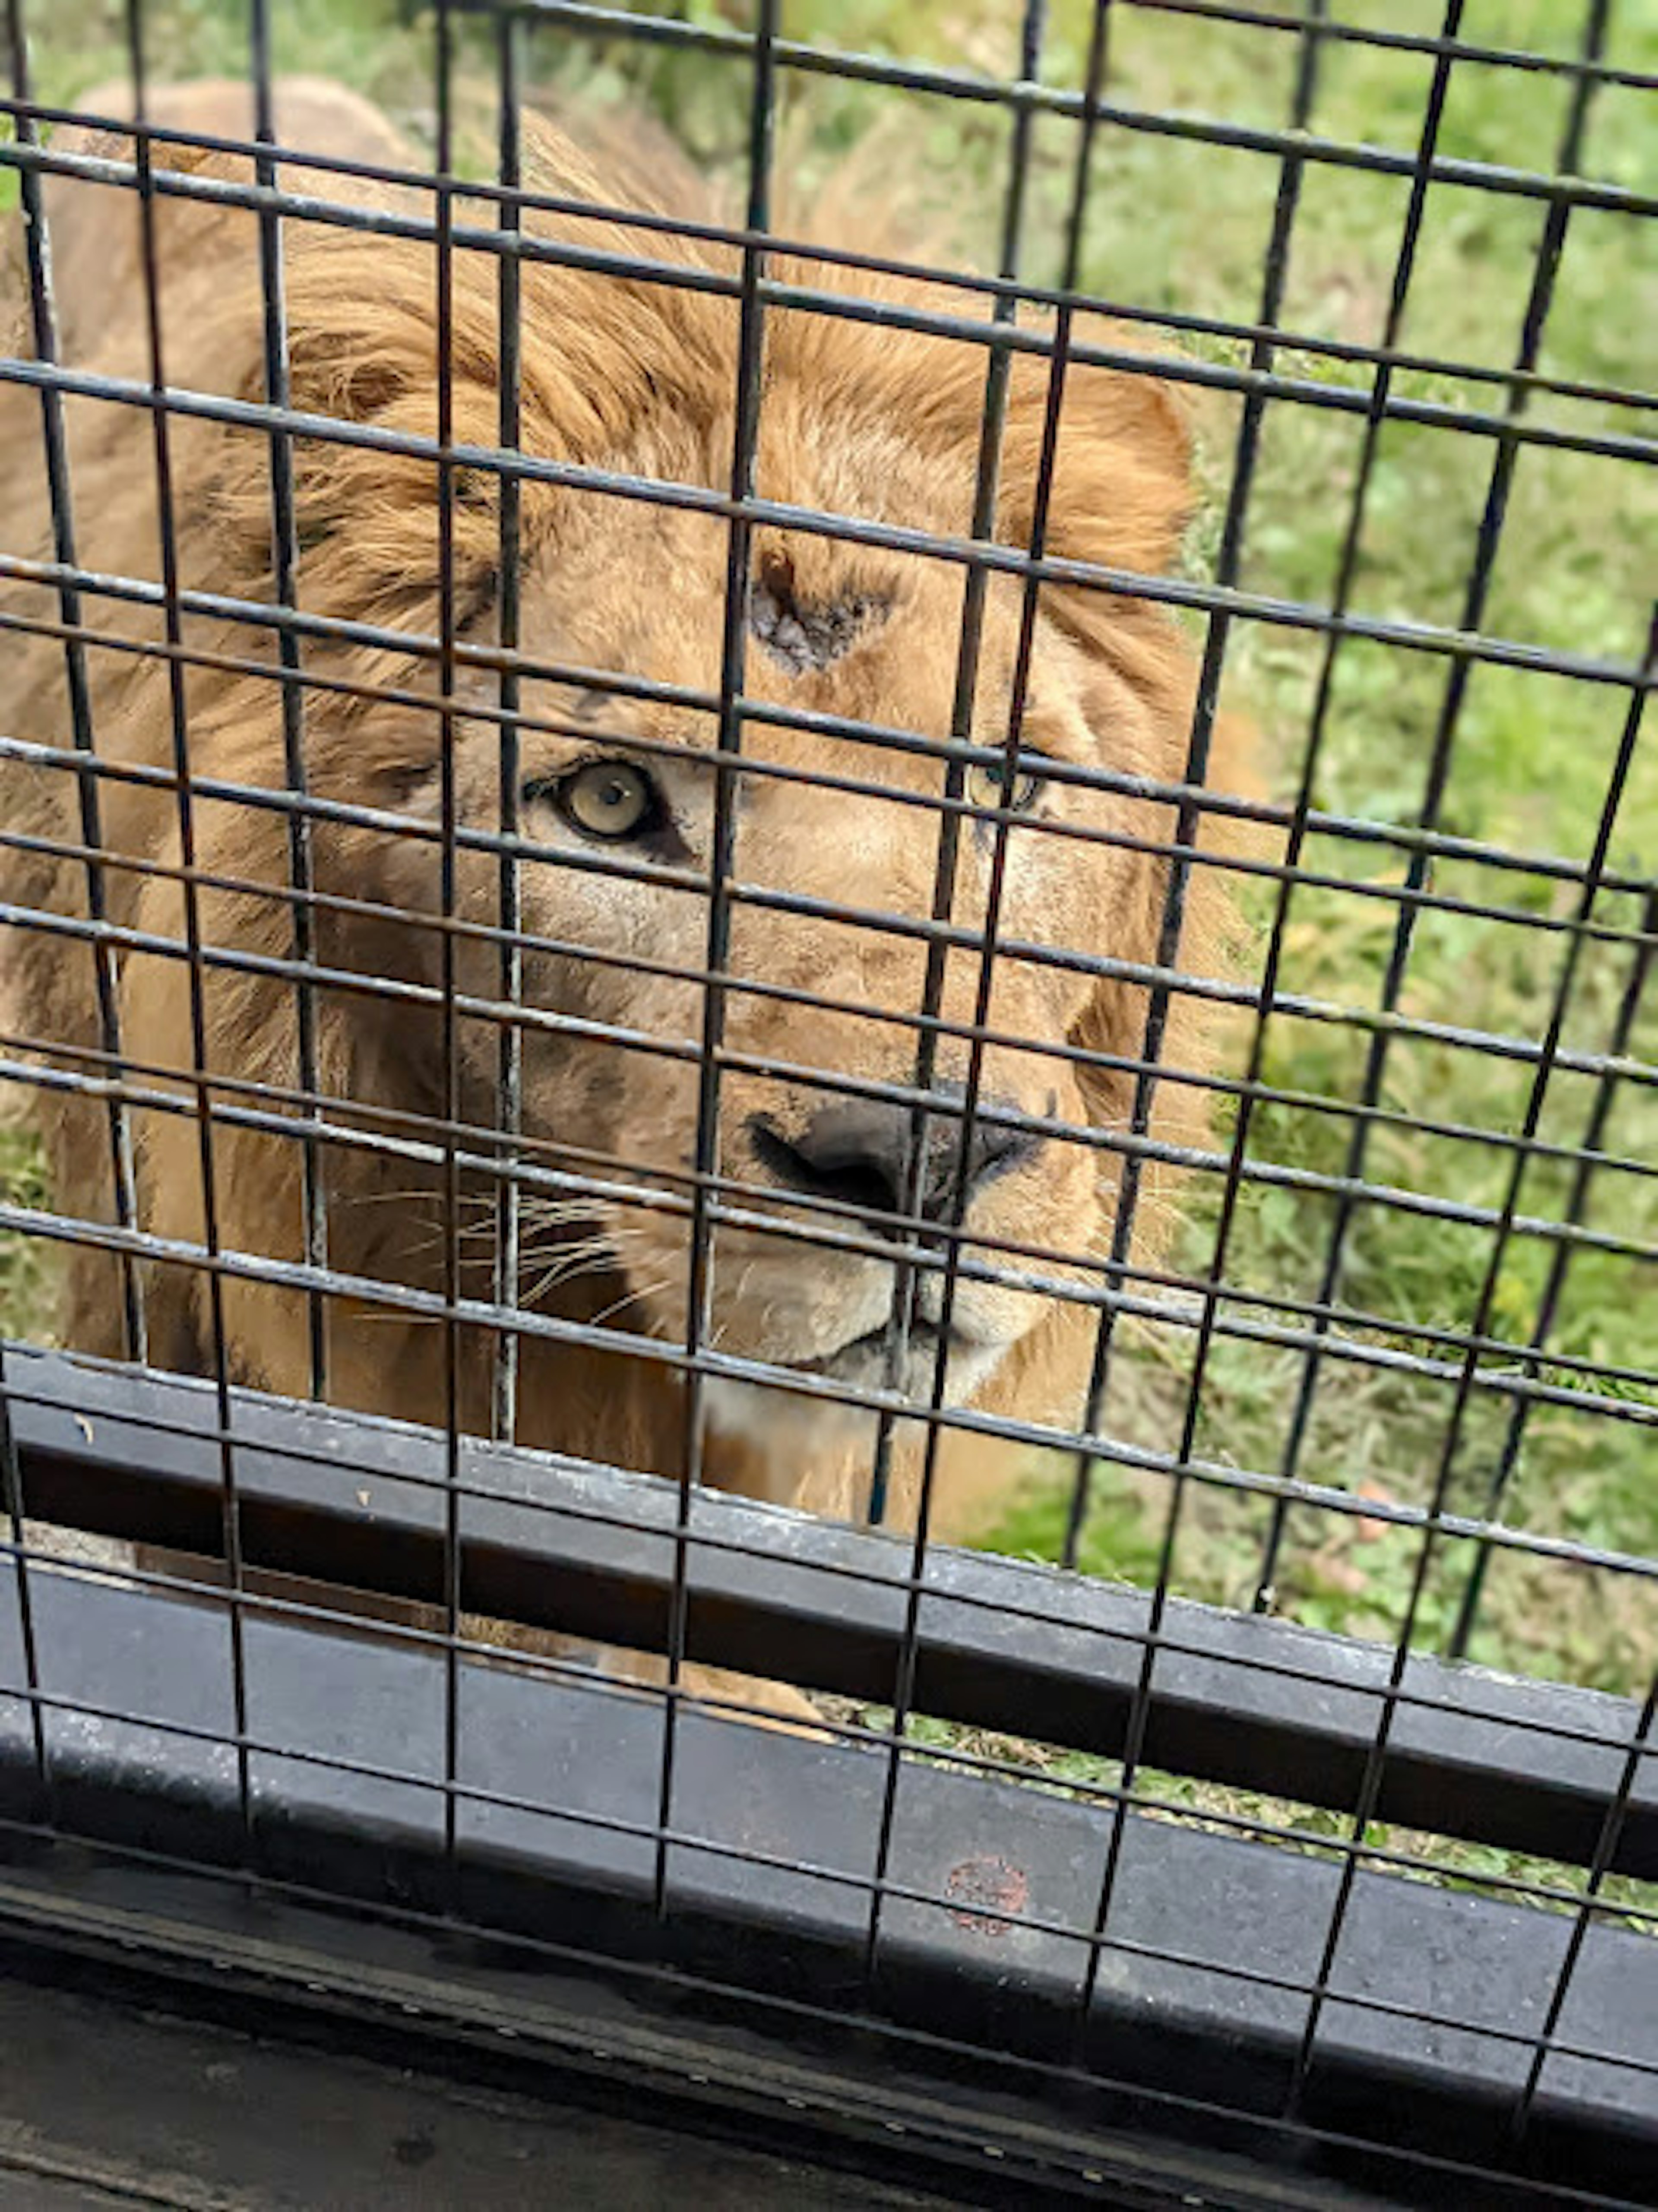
(748, 976)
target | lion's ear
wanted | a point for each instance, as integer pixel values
(1119, 495)
(1122, 492)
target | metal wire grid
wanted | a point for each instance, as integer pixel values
(1325, 1328)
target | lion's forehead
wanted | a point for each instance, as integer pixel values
(858, 674)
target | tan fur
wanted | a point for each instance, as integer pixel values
(878, 423)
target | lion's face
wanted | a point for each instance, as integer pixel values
(827, 937)
(839, 906)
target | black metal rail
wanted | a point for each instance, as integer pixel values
(342, 1499)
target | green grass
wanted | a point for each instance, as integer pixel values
(1180, 226)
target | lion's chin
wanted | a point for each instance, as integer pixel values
(864, 1364)
(763, 1413)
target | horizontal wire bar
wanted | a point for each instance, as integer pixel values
(1203, 800)
(300, 1112)
(1174, 368)
(1266, 1173)
(1178, 368)
(892, 1245)
(505, 1014)
(416, 1304)
(102, 169)
(682, 1983)
(958, 84)
(1600, 1739)
(759, 769)
(957, 1757)
(1062, 1050)
(1328, 32)
(841, 1085)
(1435, 639)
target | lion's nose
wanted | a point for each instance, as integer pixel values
(858, 1152)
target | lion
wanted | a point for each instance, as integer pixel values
(595, 767)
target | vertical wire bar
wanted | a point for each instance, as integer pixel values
(904, 1688)
(1551, 242)
(751, 361)
(986, 485)
(1186, 830)
(11, 1471)
(1576, 1210)
(11, 1476)
(444, 339)
(1606, 1848)
(178, 714)
(1347, 569)
(1188, 819)
(284, 564)
(44, 318)
(1375, 1757)
(509, 1091)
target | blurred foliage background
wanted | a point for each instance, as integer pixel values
(1174, 226)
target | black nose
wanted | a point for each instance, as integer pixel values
(857, 1151)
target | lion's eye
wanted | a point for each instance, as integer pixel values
(610, 799)
(1014, 788)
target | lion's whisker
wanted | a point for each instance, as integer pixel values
(631, 1297)
(595, 1260)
